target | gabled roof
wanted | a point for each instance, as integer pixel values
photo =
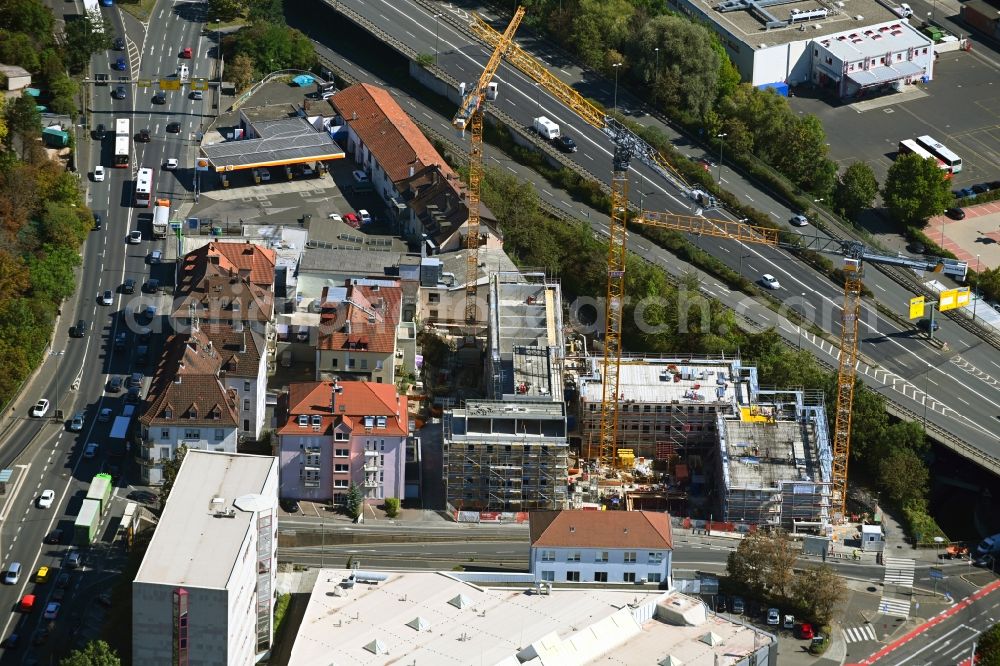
(239, 351)
(248, 260)
(186, 389)
(392, 138)
(348, 406)
(219, 294)
(365, 320)
(601, 529)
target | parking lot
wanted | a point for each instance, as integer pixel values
(958, 108)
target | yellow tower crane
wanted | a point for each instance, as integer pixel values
(470, 114)
(626, 146)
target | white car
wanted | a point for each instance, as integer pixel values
(799, 221)
(90, 451)
(770, 281)
(135, 237)
(46, 498)
(773, 616)
(265, 175)
(40, 408)
(106, 297)
(365, 216)
(335, 217)
(98, 174)
(170, 164)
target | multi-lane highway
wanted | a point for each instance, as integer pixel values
(957, 385)
(43, 453)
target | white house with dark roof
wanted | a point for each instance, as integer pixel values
(577, 546)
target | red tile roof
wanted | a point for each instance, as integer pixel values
(247, 259)
(365, 320)
(349, 406)
(392, 138)
(601, 529)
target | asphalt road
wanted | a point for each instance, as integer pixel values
(43, 453)
(956, 389)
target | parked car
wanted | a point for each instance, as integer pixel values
(73, 560)
(770, 281)
(982, 188)
(76, 423)
(104, 415)
(11, 642)
(46, 498)
(789, 622)
(156, 256)
(737, 605)
(98, 174)
(115, 385)
(964, 192)
(366, 217)
(52, 610)
(773, 617)
(289, 506)
(41, 408)
(805, 631)
(916, 247)
(955, 213)
(90, 450)
(42, 575)
(27, 603)
(121, 340)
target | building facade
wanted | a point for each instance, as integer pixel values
(335, 434)
(204, 593)
(601, 547)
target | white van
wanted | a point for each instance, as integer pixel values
(183, 73)
(546, 128)
(13, 574)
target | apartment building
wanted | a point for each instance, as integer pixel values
(334, 434)
(205, 591)
(578, 546)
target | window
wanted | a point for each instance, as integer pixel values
(340, 483)
(341, 469)
(310, 477)
(573, 557)
(602, 556)
(164, 452)
(364, 364)
(548, 556)
(628, 577)
(334, 364)
(192, 434)
(313, 459)
(381, 461)
(165, 433)
(600, 576)
(572, 576)
(340, 436)
(246, 404)
(654, 577)
(246, 424)
(433, 298)
(381, 444)
(220, 434)
(350, 364)
(378, 366)
(630, 557)
(549, 576)
(656, 558)
(434, 313)
(341, 453)
(246, 385)
(168, 413)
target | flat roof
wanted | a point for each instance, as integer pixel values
(191, 545)
(751, 27)
(877, 40)
(694, 381)
(527, 336)
(436, 618)
(765, 452)
(284, 141)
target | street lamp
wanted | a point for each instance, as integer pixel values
(803, 318)
(615, 67)
(976, 302)
(538, 104)
(721, 138)
(656, 70)
(437, 36)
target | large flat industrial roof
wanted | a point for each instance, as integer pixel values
(192, 545)
(687, 381)
(435, 618)
(283, 141)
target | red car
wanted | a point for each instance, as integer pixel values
(806, 631)
(353, 220)
(186, 52)
(27, 603)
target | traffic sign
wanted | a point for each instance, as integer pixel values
(916, 307)
(175, 226)
(199, 84)
(170, 84)
(936, 574)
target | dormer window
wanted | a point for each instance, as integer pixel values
(216, 413)
(303, 420)
(317, 420)
(380, 422)
(193, 412)
(168, 413)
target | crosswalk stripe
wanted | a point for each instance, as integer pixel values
(859, 634)
(894, 607)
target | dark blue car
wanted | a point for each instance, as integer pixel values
(120, 64)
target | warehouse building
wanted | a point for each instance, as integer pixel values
(851, 47)
(509, 453)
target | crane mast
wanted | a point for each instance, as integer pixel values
(470, 114)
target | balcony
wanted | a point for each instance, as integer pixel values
(370, 483)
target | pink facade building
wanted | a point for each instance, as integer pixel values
(333, 434)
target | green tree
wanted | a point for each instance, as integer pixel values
(988, 283)
(273, 47)
(85, 35)
(818, 590)
(763, 562)
(855, 190)
(24, 123)
(64, 91)
(170, 469)
(988, 651)
(19, 49)
(240, 71)
(51, 272)
(355, 502)
(597, 26)
(95, 653)
(28, 17)
(225, 10)
(391, 507)
(803, 157)
(685, 75)
(914, 190)
(903, 476)
(265, 11)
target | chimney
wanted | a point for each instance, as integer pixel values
(434, 176)
(237, 325)
(243, 343)
(347, 326)
(411, 171)
(208, 347)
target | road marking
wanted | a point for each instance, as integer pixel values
(511, 170)
(564, 72)
(587, 155)
(411, 34)
(932, 381)
(878, 286)
(963, 400)
(565, 203)
(427, 115)
(748, 197)
(547, 193)
(775, 215)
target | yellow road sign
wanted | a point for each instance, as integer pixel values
(199, 84)
(954, 298)
(143, 83)
(916, 307)
(170, 84)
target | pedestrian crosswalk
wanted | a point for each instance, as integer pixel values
(859, 634)
(894, 607)
(898, 571)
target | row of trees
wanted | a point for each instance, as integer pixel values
(763, 565)
(681, 67)
(264, 45)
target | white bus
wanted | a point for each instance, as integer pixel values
(123, 146)
(144, 187)
(940, 151)
(911, 146)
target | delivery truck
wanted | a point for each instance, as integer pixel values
(161, 218)
(100, 490)
(85, 527)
